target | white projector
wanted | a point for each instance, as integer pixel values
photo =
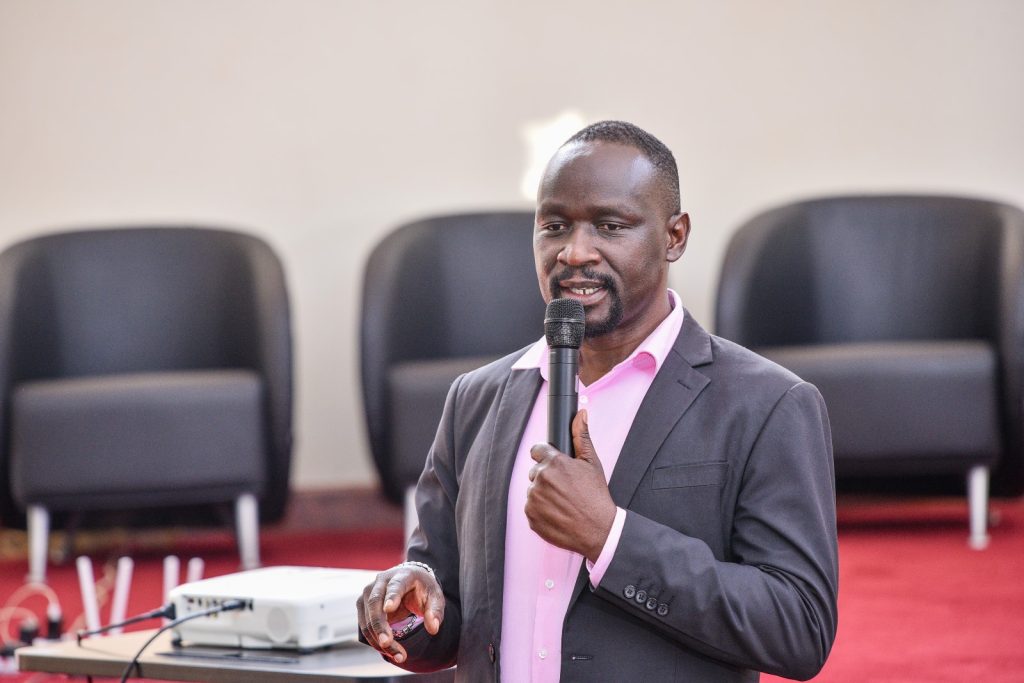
(298, 608)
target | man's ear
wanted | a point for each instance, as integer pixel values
(678, 234)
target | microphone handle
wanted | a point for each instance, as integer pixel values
(563, 365)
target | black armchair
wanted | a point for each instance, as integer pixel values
(440, 297)
(144, 367)
(907, 312)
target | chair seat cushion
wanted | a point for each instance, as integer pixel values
(896, 405)
(137, 440)
(418, 391)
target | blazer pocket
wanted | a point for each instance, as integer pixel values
(681, 476)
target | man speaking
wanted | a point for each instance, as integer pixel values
(692, 537)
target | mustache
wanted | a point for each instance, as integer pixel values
(584, 273)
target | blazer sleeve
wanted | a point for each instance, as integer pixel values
(435, 543)
(772, 607)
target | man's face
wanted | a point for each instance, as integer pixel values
(604, 235)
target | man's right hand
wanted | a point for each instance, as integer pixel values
(397, 593)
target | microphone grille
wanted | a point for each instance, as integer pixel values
(564, 323)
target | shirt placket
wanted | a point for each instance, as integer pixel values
(547, 633)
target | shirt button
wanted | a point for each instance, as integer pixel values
(641, 596)
(662, 610)
(630, 591)
(584, 399)
(542, 654)
(549, 584)
(651, 603)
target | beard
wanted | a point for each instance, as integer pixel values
(615, 309)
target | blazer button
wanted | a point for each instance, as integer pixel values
(662, 610)
(641, 596)
(630, 591)
(651, 603)
(490, 651)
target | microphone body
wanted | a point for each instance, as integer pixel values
(563, 366)
(563, 330)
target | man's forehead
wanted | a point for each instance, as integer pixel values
(575, 153)
(598, 166)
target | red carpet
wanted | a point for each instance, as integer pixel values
(915, 603)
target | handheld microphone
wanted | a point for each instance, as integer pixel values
(563, 329)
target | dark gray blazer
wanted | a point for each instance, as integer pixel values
(727, 564)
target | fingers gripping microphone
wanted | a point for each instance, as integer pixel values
(563, 329)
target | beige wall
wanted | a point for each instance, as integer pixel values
(322, 124)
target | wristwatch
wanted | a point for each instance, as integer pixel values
(421, 565)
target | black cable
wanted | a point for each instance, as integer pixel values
(223, 607)
(167, 611)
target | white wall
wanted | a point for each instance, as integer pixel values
(322, 124)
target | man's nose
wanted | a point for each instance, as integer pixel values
(580, 248)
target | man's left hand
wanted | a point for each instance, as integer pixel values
(568, 503)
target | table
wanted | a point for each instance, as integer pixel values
(108, 656)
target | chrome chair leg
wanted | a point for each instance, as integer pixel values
(247, 527)
(38, 542)
(977, 500)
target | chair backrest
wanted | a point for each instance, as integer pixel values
(144, 299)
(441, 288)
(885, 268)
(114, 301)
(864, 269)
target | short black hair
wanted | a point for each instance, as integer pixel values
(624, 133)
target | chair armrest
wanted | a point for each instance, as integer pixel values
(274, 356)
(1010, 341)
(740, 313)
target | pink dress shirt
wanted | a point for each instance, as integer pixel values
(539, 577)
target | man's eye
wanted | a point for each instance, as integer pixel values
(612, 227)
(553, 227)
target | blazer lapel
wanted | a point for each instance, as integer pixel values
(673, 391)
(514, 410)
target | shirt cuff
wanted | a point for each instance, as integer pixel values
(597, 569)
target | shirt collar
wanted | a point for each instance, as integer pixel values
(651, 352)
